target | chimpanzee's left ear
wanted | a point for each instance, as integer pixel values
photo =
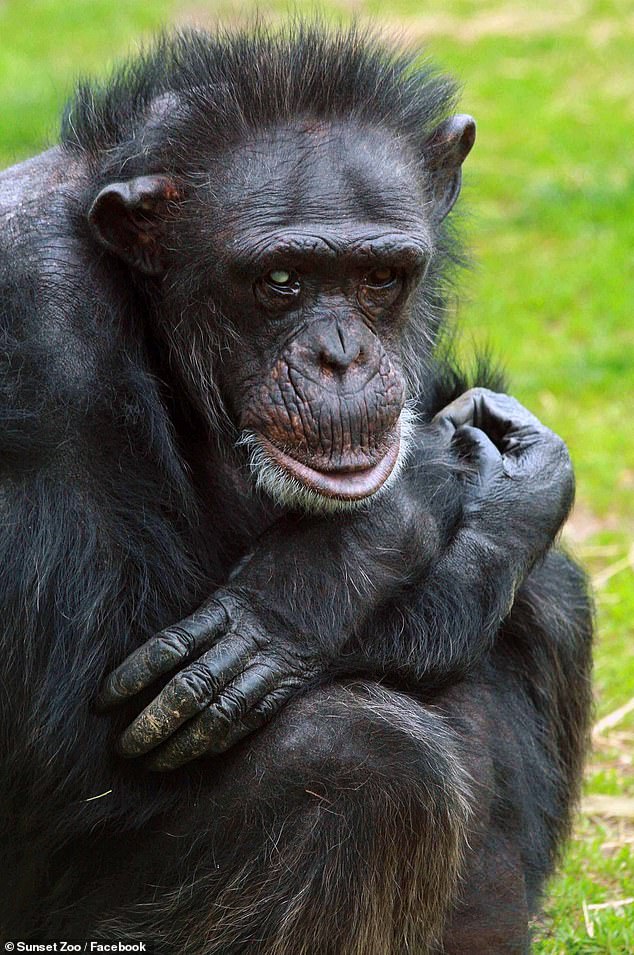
(129, 218)
(445, 151)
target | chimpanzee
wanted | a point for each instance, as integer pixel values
(224, 386)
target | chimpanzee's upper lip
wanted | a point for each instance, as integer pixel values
(350, 483)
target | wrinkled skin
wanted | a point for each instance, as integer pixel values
(319, 372)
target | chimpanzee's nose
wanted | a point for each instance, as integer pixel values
(339, 348)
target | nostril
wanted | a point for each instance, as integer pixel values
(339, 359)
(338, 351)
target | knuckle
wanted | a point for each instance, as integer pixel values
(231, 705)
(558, 453)
(289, 660)
(560, 446)
(197, 684)
(479, 392)
(493, 400)
(295, 668)
(224, 603)
(258, 640)
(174, 643)
(503, 404)
(270, 704)
(265, 710)
(229, 603)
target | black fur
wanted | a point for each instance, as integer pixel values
(236, 82)
(413, 798)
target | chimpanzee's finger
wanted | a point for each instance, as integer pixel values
(239, 710)
(481, 455)
(189, 692)
(527, 445)
(506, 422)
(170, 648)
(463, 410)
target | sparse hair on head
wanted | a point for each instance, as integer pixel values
(230, 82)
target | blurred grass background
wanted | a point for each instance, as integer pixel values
(550, 191)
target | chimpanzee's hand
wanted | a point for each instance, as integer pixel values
(519, 482)
(238, 676)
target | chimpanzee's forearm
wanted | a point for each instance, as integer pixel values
(450, 617)
(324, 577)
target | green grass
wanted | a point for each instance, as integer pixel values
(44, 45)
(550, 189)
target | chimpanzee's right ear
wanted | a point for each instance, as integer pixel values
(129, 218)
(445, 151)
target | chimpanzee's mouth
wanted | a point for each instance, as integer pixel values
(349, 483)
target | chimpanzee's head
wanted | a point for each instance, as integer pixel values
(295, 253)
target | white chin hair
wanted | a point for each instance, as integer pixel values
(274, 481)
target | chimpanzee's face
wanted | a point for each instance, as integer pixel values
(288, 264)
(322, 239)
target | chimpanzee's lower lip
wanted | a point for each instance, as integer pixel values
(344, 485)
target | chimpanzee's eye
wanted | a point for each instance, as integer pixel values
(380, 278)
(379, 289)
(278, 289)
(279, 277)
(283, 281)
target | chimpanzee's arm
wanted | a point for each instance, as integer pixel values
(311, 583)
(518, 490)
